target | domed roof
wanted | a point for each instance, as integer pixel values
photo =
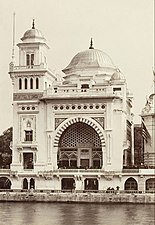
(117, 76)
(33, 33)
(91, 58)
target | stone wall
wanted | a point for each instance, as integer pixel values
(77, 197)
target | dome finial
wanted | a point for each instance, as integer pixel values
(91, 44)
(33, 24)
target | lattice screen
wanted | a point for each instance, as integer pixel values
(79, 133)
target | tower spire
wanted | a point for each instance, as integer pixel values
(33, 24)
(91, 44)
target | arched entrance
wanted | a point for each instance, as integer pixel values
(5, 183)
(67, 184)
(32, 183)
(25, 183)
(91, 184)
(80, 147)
(131, 184)
(150, 184)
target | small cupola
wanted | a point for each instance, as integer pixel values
(117, 76)
(33, 35)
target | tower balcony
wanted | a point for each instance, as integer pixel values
(74, 92)
(42, 66)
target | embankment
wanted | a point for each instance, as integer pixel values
(77, 197)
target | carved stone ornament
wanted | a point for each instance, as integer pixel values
(100, 120)
(26, 96)
(108, 177)
(58, 121)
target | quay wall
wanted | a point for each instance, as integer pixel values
(78, 197)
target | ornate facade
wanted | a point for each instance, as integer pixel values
(74, 131)
(148, 124)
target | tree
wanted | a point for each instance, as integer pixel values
(5, 151)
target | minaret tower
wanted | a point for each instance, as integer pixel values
(31, 77)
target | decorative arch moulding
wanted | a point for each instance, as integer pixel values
(89, 121)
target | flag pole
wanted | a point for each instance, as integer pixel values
(13, 38)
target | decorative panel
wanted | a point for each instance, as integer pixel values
(58, 121)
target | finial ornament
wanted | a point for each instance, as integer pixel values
(91, 44)
(33, 24)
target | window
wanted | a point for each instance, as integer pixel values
(29, 59)
(32, 59)
(32, 183)
(31, 83)
(96, 164)
(37, 83)
(131, 184)
(116, 89)
(29, 135)
(150, 184)
(20, 83)
(55, 90)
(84, 87)
(25, 83)
(28, 160)
(25, 184)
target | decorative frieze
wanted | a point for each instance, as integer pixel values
(27, 108)
(79, 107)
(26, 96)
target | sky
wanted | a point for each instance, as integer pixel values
(124, 29)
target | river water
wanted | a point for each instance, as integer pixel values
(75, 214)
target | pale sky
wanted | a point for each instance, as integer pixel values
(124, 29)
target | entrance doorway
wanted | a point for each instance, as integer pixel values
(67, 184)
(91, 184)
(131, 184)
(25, 183)
(84, 163)
(80, 147)
(5, 183)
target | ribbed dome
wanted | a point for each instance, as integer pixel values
(91, 58)
(32, 34)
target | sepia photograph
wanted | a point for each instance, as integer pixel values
(77, 112)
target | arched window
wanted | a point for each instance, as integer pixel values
(5, 183)
(150, 184)
(32, 183)
(20, 83)
(25, 83)
(25, 184)
(31, 83)
(37, 83)
(84, 143)
(131, 184)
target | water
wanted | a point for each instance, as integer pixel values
(75, 214)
